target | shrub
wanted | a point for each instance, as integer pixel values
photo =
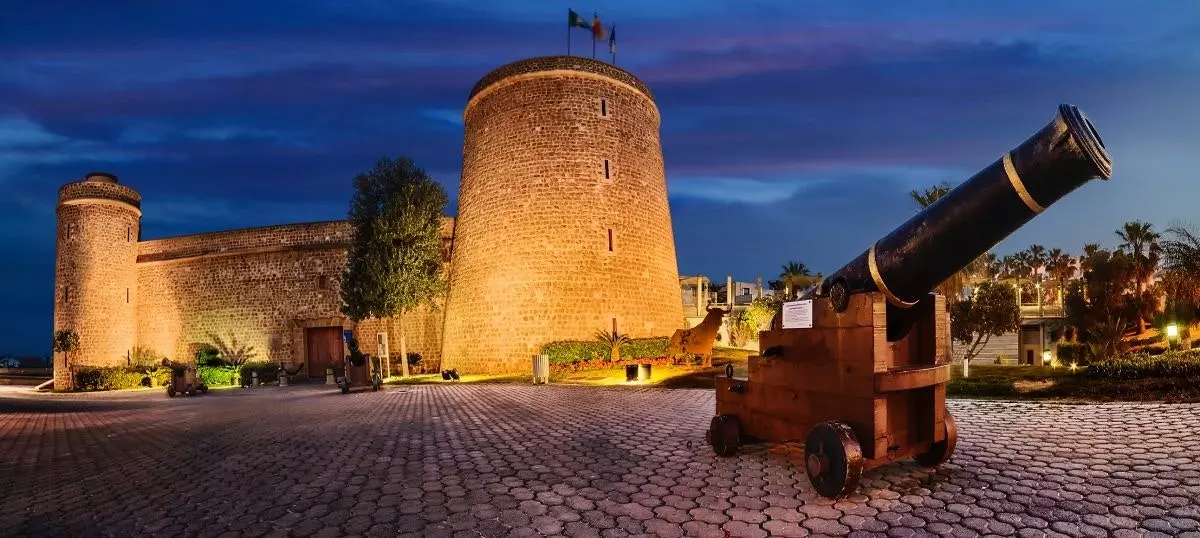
(414, 358)
(573, 351)
(208, 355)
(1074, 352)
(1177, 364)
(107, 378)
(217, 375)
(268, 372)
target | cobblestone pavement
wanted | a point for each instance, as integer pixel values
(497, 460)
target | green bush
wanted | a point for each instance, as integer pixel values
(1178, 364)
(107, 378)
(414, 358)
(217, 375)
(573, 351)
(268, 372)
(1074, 352)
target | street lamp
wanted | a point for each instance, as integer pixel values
(1172, 334)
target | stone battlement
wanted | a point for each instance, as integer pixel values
(560, 63)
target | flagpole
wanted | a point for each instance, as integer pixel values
(568, 32)
(594, 16)
(612, 39)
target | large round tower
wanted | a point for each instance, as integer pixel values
(563, 223)
(95, 273)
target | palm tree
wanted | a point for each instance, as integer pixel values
(928, 196)
(614, 340)
(1140, 240)
(1060, 266)
(794, 273)
(1037, 259)
(1181, 252)
(1089, 250)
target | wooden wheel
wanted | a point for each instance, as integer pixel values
(725, 435)
(833, 458)
(941, 451)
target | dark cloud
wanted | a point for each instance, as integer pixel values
(802, 127)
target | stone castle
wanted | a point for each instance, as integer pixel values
(563, 229)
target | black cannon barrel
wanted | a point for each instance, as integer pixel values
(945, 237)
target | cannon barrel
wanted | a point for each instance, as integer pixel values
(945, 237)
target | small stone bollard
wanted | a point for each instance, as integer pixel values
(254, 379)
(283, 382)
(329, 380)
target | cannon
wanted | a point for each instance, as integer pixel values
(857, 368)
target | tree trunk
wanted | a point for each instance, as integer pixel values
(616, 354)
(403, 348)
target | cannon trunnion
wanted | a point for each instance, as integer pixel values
(865, 384)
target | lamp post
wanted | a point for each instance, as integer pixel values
(1045, 357)
(1172, 335)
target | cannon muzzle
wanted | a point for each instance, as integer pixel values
(909, 263)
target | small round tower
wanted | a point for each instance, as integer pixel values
(563, 224)
(95, 273)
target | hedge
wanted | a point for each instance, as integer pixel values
(108, 378)
(1172, 364)
(217, 375)
(573, 351)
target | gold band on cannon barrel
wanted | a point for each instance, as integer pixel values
(891, 297)
(1019, 186)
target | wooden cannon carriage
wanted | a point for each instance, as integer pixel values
(857, 368)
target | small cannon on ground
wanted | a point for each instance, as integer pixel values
(857, 367)
(184, 379)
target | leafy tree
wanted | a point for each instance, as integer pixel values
(1102, 306)
(614, 340)
(66, 341)
(1141, 241)
(753, 318)
(991, 311)
(395, 257)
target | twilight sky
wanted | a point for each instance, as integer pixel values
(791, 130)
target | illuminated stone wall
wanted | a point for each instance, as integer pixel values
(261, 287)
(95, 280)
(532, 261)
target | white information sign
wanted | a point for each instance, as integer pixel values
(798, 315)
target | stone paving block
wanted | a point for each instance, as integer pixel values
(457, 460)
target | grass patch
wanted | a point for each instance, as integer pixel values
(1041, 382)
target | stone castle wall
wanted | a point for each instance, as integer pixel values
(95, 282)
(532, 260)
(261, 287)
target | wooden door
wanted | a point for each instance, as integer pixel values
(324, 347)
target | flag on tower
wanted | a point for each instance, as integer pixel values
(574, 20)
(612, 40)
(597, 28)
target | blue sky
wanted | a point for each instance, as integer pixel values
(801, 125)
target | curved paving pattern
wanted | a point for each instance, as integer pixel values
(507, 460)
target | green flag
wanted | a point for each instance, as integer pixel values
(573, 19)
